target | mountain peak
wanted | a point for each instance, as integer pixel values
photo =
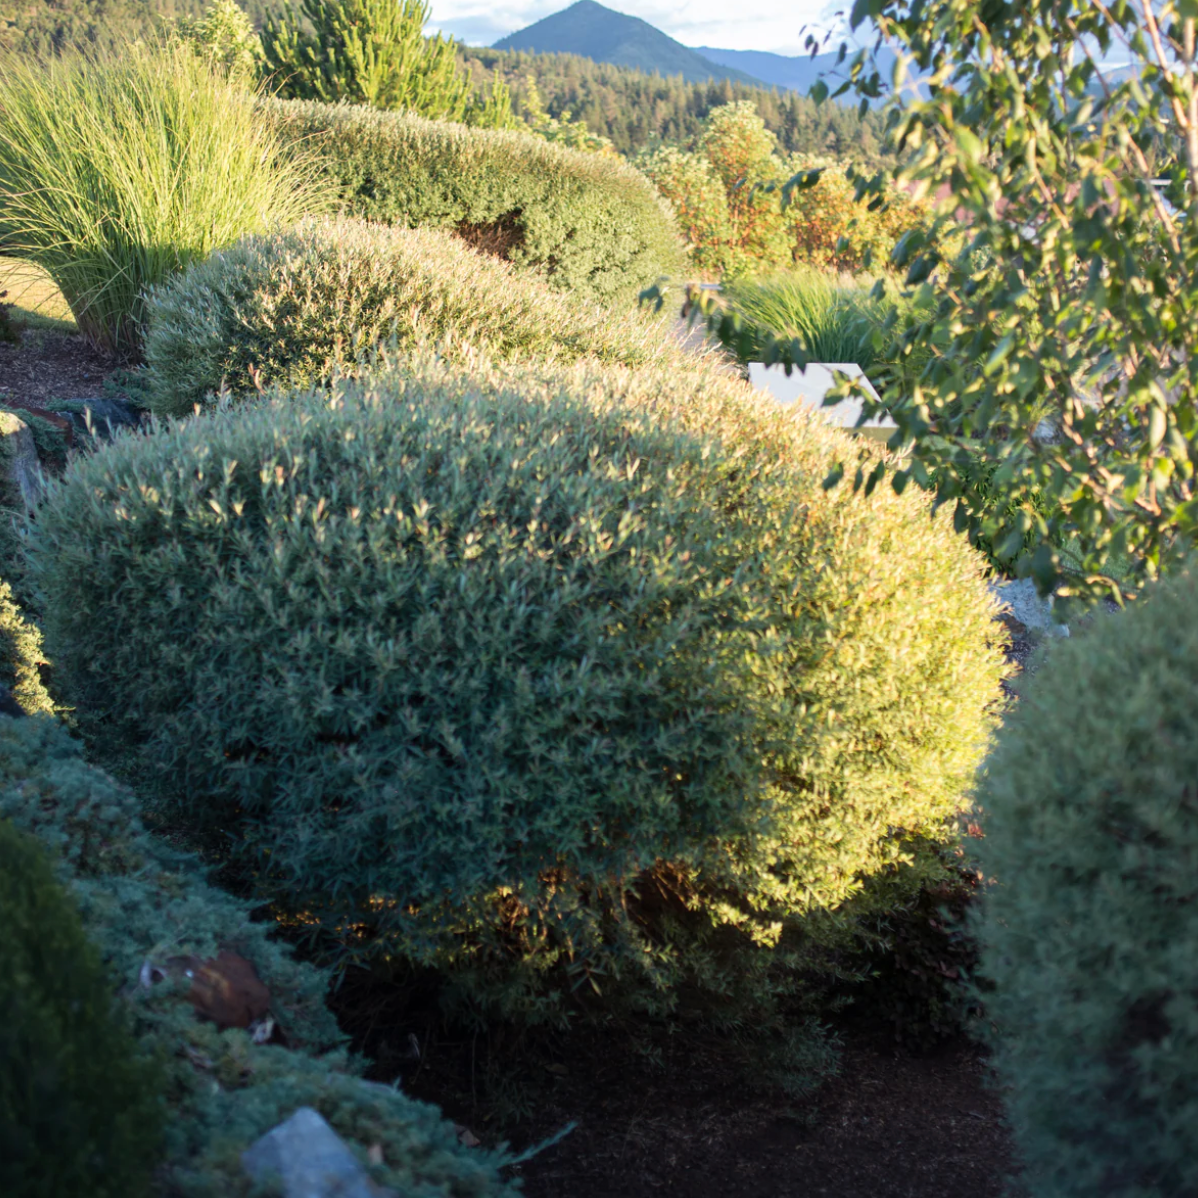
(593, 31)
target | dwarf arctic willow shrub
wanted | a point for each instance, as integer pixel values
(1089, 930)
(140, 898)
(116, 171)
(289, 308)
(589, 222)
(513, 671)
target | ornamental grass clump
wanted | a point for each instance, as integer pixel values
(118, 170)
(835, 323)
(290, 308)
(1089, 929)
(530, 674)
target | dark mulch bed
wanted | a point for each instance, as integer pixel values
(686, 1116)
(51, 364)
(889, 1127)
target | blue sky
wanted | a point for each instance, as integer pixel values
(767, 25)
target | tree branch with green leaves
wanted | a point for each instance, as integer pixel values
(1059, 142)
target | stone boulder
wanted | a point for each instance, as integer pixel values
(1022, 602)
(105, 415)
(310, 1160)
(20, 471)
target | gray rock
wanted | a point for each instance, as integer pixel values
(1047, 432)
(311, 1160)
(20, 471)
(107, 415)
(1019, 597)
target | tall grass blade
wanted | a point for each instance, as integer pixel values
(115, 172)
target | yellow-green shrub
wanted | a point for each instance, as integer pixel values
(731, 226)
(588, 222)
(699, 201)
(727, 198)
(21, 657)
(286, 309)
(500, 670)
(829, 228)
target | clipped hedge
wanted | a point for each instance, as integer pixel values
(514, 671)
(286, 309)
(1089, 930)
(80, 1107)
(139, 899)
(589, 222)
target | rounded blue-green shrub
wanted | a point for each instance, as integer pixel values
(1089, 928)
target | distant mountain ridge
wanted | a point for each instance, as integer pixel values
(636, 110)
(591, 30)
(798, 72)
(603, 35)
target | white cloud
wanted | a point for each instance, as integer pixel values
(775, 25)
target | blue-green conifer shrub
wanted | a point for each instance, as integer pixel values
(140, 898)
(515, 671)
(1089, 928)
(81, 1107)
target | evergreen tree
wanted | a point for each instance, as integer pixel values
(564, 129)
(491, 107)
(224, 35)
(366, 52)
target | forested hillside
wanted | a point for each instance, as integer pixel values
(35, 24)
(635, 110)
(45, 24)
(631, 108)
